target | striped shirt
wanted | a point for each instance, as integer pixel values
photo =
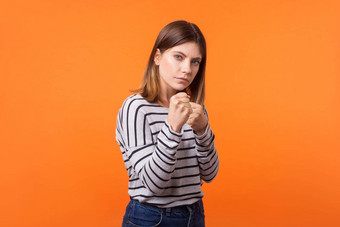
(165, 168)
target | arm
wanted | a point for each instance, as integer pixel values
(206, 152)
(207, 156)
(153, 161)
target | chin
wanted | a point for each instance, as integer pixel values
(180, 88)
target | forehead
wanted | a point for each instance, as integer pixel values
(190, 49)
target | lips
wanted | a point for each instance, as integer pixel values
(182, 79)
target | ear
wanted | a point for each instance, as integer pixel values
(157, 56)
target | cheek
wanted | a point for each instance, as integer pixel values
(168, 65)
(194, 74)
(195, 71)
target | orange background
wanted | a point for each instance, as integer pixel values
(273, 96)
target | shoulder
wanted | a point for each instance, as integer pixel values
(135, 103)
(134, 99)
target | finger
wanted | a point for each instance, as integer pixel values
(190, 122)
(188, 106)
(184, 99)
(196, 111)
(180, 98)
(182, 95)
(193, 117)
(195, 105)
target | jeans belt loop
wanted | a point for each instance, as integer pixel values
(168, 211)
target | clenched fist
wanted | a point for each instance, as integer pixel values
(179, 110)
(197, 119)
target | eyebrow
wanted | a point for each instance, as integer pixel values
(180, 52)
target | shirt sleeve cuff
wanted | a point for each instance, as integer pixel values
(206, 138)
(172, 132)
(201, 137)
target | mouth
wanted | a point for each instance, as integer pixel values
(182, 79)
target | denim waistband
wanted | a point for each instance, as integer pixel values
(168, 210)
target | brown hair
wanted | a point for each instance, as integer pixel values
(173, 34)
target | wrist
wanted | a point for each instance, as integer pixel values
(174, 127)
(200, 132)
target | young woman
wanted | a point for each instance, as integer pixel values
(164, 135)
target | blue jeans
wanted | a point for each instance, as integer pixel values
(140, 214)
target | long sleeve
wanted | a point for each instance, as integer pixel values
(207, 156)
(153, 161)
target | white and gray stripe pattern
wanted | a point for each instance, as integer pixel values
(165, 168)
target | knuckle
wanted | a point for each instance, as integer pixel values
(182, 107)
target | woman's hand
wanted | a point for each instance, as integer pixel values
(197, 120)
(179, 110)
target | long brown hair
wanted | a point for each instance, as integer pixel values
(173, 34)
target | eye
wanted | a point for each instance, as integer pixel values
(178, 57)
(196, 62)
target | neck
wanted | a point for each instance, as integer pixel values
(164, 96)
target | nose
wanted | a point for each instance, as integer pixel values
(186, 67)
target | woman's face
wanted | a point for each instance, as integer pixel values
(178, 66)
